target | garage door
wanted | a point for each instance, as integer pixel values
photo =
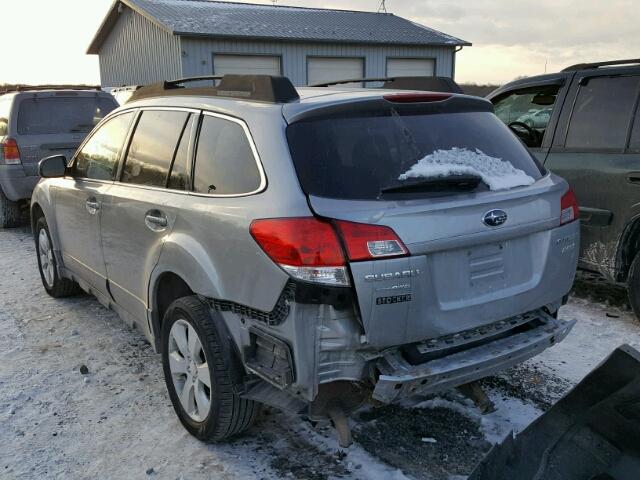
(410, 67)
(320, 70)
(246, 64)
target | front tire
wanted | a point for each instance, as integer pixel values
(54, 285)
(198, 369)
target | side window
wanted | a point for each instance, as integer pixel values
(99, 157)
(602, 113)
(153, 146)
(225, 163)
(5, 106)
(634, 143)
(179, 177)
(531, 107)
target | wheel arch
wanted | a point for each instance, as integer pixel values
(167, 287)
(36, 212)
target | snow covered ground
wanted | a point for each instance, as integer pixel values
(117, 422)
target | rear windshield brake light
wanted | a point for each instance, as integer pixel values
(416, 97)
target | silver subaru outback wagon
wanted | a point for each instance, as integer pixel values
(310, 249)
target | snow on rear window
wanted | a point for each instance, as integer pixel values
(358, 155)
(496, 173)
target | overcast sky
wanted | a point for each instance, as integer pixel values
(46, 40)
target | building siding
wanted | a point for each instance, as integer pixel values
(197, 58)
(138, 52)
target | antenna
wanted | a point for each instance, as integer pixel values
(275, 3)
(383, 7)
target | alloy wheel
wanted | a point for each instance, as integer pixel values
(46, 258)
(189, 370)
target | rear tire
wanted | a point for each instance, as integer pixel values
(633, 286)
(10, 214)
(54, 285)
(194, 346)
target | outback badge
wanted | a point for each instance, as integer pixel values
(494, 218)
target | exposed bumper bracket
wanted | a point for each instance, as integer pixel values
(399, 379)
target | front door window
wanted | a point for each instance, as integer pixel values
(527, 112)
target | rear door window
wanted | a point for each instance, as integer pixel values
(62, 114)
(153, 147)
(602, 113)
(179, 176)
(356, 156)
(225, 163)
(98, 158)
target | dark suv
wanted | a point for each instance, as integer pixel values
(583, 123)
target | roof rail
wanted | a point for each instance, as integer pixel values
(27, 88)
(261, 88)
(586, 66)
(424, 83)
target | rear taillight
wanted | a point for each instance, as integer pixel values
(368, 242)
(10, 151)
(310, 249)
(569, 207)
(306, 248)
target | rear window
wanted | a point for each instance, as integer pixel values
(51, 115)
(355, 157)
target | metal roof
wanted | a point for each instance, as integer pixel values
(266, 22)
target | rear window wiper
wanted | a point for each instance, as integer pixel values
(450, 182)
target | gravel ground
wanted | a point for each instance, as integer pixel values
(116, 421)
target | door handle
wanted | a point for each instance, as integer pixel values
(92, 205)
(156, 220)
(633, 177)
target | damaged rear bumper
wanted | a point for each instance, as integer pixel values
(399, 379)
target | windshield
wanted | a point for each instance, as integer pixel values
(356, 157)
(51, 115)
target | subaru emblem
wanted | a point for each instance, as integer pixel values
(494, 218)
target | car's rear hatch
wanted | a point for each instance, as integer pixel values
(56, 122)
(466, 268)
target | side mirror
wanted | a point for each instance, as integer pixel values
(53, 167)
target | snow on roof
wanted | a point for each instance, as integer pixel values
(241, 20)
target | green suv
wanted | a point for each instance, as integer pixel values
(587, 130)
